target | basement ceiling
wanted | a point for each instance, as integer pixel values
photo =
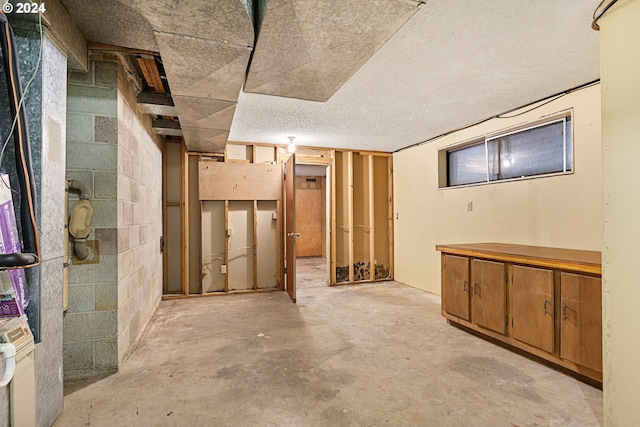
(407, 72)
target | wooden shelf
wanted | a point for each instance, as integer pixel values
(565, 259)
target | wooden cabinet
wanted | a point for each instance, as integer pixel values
(482, 299)
(455, 285)
(488, 300)
(532, 305)
(581, 322)
(545, 301)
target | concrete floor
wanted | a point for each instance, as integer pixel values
(311, 272)
(366, 355)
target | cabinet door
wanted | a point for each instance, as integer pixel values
(455, 286)
(532, 306)
(581, 324)
(488, 300)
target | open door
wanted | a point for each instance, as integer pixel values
(290, 225)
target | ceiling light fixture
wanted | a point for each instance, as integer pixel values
(292, 147)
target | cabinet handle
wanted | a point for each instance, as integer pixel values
(476, 289)
(545, 307)
(564, 312)
(465, 286)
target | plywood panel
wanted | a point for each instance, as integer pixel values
(240, 264)
(264, 154)
(240, 152)
(267, 232)
(213, 240)
(233, 181)
(309, 222)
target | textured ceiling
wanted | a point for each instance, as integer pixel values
(308, 49)
(205, 47)
(455, 62)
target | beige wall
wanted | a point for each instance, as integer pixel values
(620, 73)
(139, 181)
(560, 211)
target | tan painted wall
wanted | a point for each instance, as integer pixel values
(560, 211)
(620, 73)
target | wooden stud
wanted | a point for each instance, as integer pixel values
(253, 153)
(279, 245)
(150, 73)
(119, 49)
(165, 264)
(332, 250)
(255, 245)
(226, 245)
(391, 233)
(215, 294)
(184, 212)
(372, 228)
(145, 71)
(304, 159)
(350, 212)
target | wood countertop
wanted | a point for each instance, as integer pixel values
(565, 259)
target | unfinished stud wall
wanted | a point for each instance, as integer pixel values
(238, 223)
(362, 225)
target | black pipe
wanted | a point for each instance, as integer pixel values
(22, 147)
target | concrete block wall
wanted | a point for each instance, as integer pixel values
(139, 182)
(112, 148)
(90, 324)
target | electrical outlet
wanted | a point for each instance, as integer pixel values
(223, 269)
(469, 206)
(229, 231)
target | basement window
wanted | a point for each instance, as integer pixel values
(539, 150)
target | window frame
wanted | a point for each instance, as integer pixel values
(561, 117)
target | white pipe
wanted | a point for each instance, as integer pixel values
(9, 351)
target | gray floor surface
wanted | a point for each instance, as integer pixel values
(365, 355)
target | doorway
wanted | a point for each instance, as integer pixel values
(312, 222)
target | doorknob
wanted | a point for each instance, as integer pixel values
(293, 235)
